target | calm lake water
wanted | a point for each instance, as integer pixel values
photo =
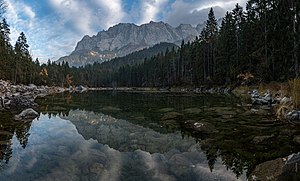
(141, 136)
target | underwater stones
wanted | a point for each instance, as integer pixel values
(200, 126)
(111, 109)
(171, 115)
(269, 170)
(167, 109)
(193, 110)
(260, 111)
(297, 139)
(7, 133)
(279, 169)
(171, 123)
(259, 139)
(27, 114)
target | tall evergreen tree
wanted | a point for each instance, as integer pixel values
(22, 60)
(211, 33)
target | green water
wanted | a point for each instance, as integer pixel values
(141, 136)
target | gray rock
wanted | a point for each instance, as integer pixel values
(254, 93)
(81, 88)
(27, 114)
(266, 99)
(125, 38)
(293, 116)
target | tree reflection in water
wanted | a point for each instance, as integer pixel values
(8, 128)
(235, 129)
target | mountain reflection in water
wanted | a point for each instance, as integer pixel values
(141, 136)
(57, 152)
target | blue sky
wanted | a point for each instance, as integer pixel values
(53, 27)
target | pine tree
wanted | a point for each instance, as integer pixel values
(227, 47)
(22, 60)
(238, 17)
(211, 33)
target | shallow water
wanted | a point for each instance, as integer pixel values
(141, 136)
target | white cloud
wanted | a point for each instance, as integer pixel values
(28, 11)
(55, 34)
(20, 17)
(111, 12)
(75, 13)
(195, 12)
(150, 10)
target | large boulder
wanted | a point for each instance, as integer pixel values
(27, 114)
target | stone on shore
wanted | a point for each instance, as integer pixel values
(293, 116)
(23, 96)
(266, 99)
(27, 114)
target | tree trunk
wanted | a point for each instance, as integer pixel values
(295, 18)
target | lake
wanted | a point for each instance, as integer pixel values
(109, 135)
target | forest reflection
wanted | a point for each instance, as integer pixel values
(231, 131)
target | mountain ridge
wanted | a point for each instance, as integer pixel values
(125, 38)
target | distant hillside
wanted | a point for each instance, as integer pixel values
(138, 57)
(125, 38)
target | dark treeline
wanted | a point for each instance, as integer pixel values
(261, 40)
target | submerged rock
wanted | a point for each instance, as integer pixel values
(171, 115)
(278, 169)
(194, 110)
(269, 170)
(200, 126)
(259, 139)
(27, 114)
(111, 109)
(167, 109)
(297, 139)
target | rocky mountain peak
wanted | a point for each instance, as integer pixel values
(125, 38)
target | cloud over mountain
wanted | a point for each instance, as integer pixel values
(54, 26)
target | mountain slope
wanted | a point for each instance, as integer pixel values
(125, 38)
(138, 57)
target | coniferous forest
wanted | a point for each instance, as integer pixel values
(261, 40)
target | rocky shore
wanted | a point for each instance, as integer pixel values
(17, 97)
(284, 105)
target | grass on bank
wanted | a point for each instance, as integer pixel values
(294, 85)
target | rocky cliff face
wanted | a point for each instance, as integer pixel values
(126, 38)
